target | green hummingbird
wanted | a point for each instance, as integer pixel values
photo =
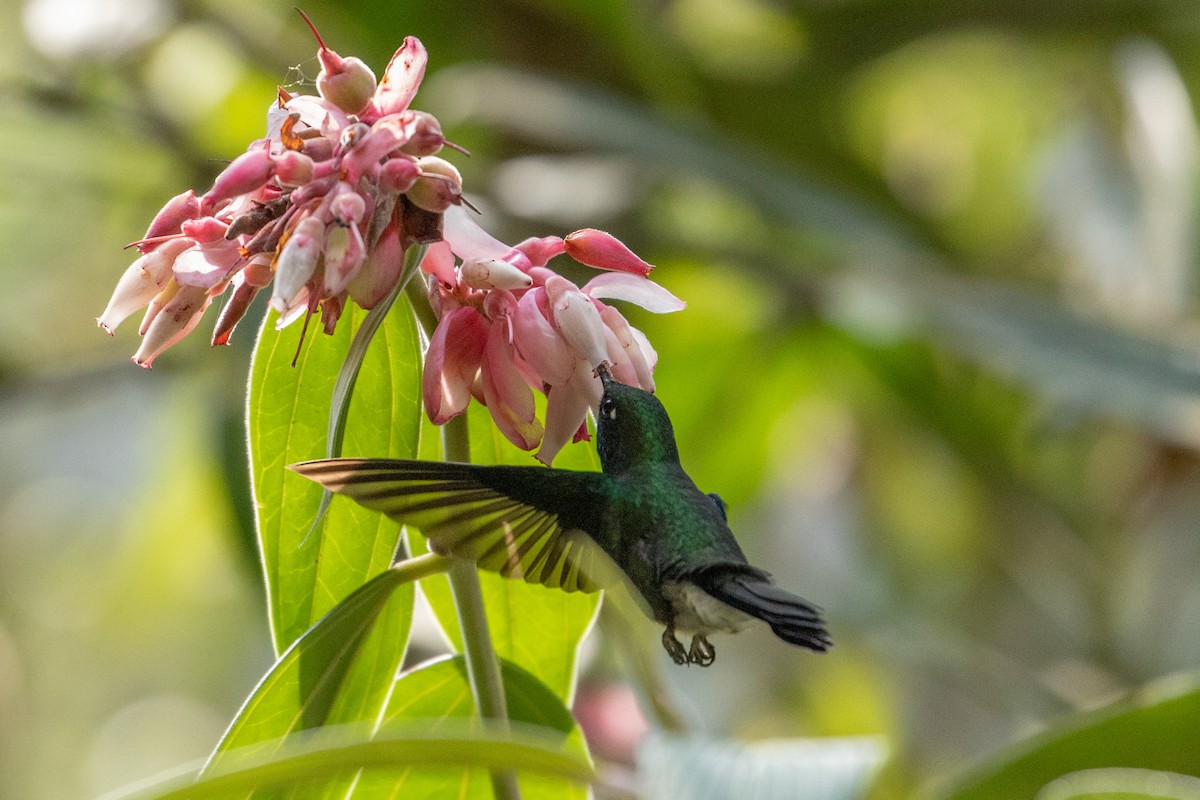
(641, 518)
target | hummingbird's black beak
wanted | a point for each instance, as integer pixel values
(602, 372)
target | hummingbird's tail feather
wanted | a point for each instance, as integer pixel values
(793, 619)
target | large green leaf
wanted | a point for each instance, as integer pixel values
(1156, 729)
(304, 762)
(338, 672)
(438, 694)
(535, 627)
(289, 410)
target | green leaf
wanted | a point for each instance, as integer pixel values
(340, 671)
(394, 752)
(438, 694)
(288, 418)
(1156, 729)
(835, 768)
(535, 627)
(1122, 784)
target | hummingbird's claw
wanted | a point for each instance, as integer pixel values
(673, 647)
(702, 654)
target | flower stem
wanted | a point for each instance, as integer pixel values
(483, 668)
(422, 566)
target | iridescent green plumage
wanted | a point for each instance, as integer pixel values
(641, 519)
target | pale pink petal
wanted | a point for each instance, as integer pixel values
(538, 343)
(402, 77)
(175, 320)
(297, 262)
(648, 352)
(298, 307)
(578, 320)
(631, 288)
(566, 409)
(452, 363)
(467, 239)
(319, 114)
(344, 255)
(144, 279)
(623, 333)
(439, 262)
(509, 399)
(604, 251)
(618, 360)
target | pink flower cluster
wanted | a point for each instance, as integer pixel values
(508, 325)
(322, 211)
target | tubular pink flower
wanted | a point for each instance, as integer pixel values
(622, 336)
(294, 168)
(577, 320)
(172, 215)
(209, 261)
(604, 251)
(297, 262)
(380, 271)
(177, 317)
(452, 363)
(398, 174)
(319, 114)
(387, 134)
(639, 291)
(401, 79)
(505, 392)
(344, 255)
(438, 187)
(538, 342)
(567, 406)
(247, 172)
(144, 278)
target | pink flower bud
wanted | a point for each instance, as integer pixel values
(297, 262)
(492, 273)
(294, 168)
(540, 251)
(427, 137)
(438, 188)
(347, 207)
(604, 251)
(371, 146)
(233, 312)
(402, 77)
(578, 321)
(144, 278)
(398, 174)
(167, 221)
(247, 172)
(348, 83)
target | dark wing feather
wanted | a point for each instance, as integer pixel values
(532, 523)
(791, 618)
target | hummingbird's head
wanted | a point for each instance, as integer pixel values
(632, 427)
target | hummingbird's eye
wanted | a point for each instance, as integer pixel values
(608, 408)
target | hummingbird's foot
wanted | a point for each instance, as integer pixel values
(702, 654)
(673, 647)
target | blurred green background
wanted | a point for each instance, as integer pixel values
(940, 355)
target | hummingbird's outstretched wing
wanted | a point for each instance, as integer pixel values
(537, 524)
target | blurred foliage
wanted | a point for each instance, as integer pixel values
(940, 352)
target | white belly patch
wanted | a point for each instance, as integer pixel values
(697, 611)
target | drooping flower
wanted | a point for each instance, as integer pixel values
(321, 211)
(528, 328)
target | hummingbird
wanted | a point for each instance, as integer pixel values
(640, 520)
